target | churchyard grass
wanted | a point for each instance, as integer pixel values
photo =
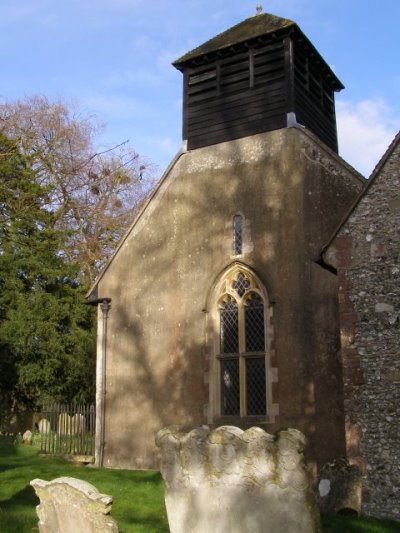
(355, 524)
(138, 495)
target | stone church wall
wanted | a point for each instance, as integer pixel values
(367, 256)
(292, 192)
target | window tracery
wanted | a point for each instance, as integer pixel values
(242, 346)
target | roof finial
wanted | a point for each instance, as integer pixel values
(259, 9)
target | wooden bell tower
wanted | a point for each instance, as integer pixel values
(262, 74)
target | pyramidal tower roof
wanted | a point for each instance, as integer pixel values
(261, 24)
(260, 75)
(250, 28)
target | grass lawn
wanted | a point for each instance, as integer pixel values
(138, 495)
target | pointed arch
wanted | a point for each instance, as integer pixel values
(240, 312)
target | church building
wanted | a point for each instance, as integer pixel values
(365, 252)
(217, 307)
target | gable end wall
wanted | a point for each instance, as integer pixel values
(292, 193)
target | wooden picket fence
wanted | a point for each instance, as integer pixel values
(67, 429)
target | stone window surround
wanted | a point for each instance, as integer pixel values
(271, 374)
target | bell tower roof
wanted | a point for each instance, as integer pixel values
(259, 75)
(250, 28)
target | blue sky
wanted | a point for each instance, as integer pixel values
(113, 57)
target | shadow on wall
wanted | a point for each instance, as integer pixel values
(159, 350)
(146, 398)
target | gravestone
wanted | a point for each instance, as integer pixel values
(78, 422)
(44, 426)
(27, 437)
(340, 487)
(69, 505)
(64, 424)
(233, 481)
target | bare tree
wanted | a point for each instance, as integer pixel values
(92, 192)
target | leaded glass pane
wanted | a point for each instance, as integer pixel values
(255, 386)
(254, 324)
(230, 389)
(241, 284)
(229, 327)
(237, 234)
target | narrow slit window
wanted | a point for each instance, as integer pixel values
(237, 235)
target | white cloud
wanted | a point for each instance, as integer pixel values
(365, 130)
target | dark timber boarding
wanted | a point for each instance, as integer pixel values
(250, 87)
(314, 97)
(236, 96)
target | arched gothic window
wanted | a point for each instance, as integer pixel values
(242, 346)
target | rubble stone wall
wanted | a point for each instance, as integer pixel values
(367, 256)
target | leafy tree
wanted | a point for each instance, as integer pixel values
(64, 204)
(47, 340)
(90, 191)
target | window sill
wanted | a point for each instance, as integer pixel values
(241, 421)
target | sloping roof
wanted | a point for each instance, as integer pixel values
(249, 28)
(370, 181)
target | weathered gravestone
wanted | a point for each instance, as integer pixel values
(78, 422)
(340, 487)
(44, 426)
(233, 481)
(69, 505)
(27, 437)
(64, 424)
